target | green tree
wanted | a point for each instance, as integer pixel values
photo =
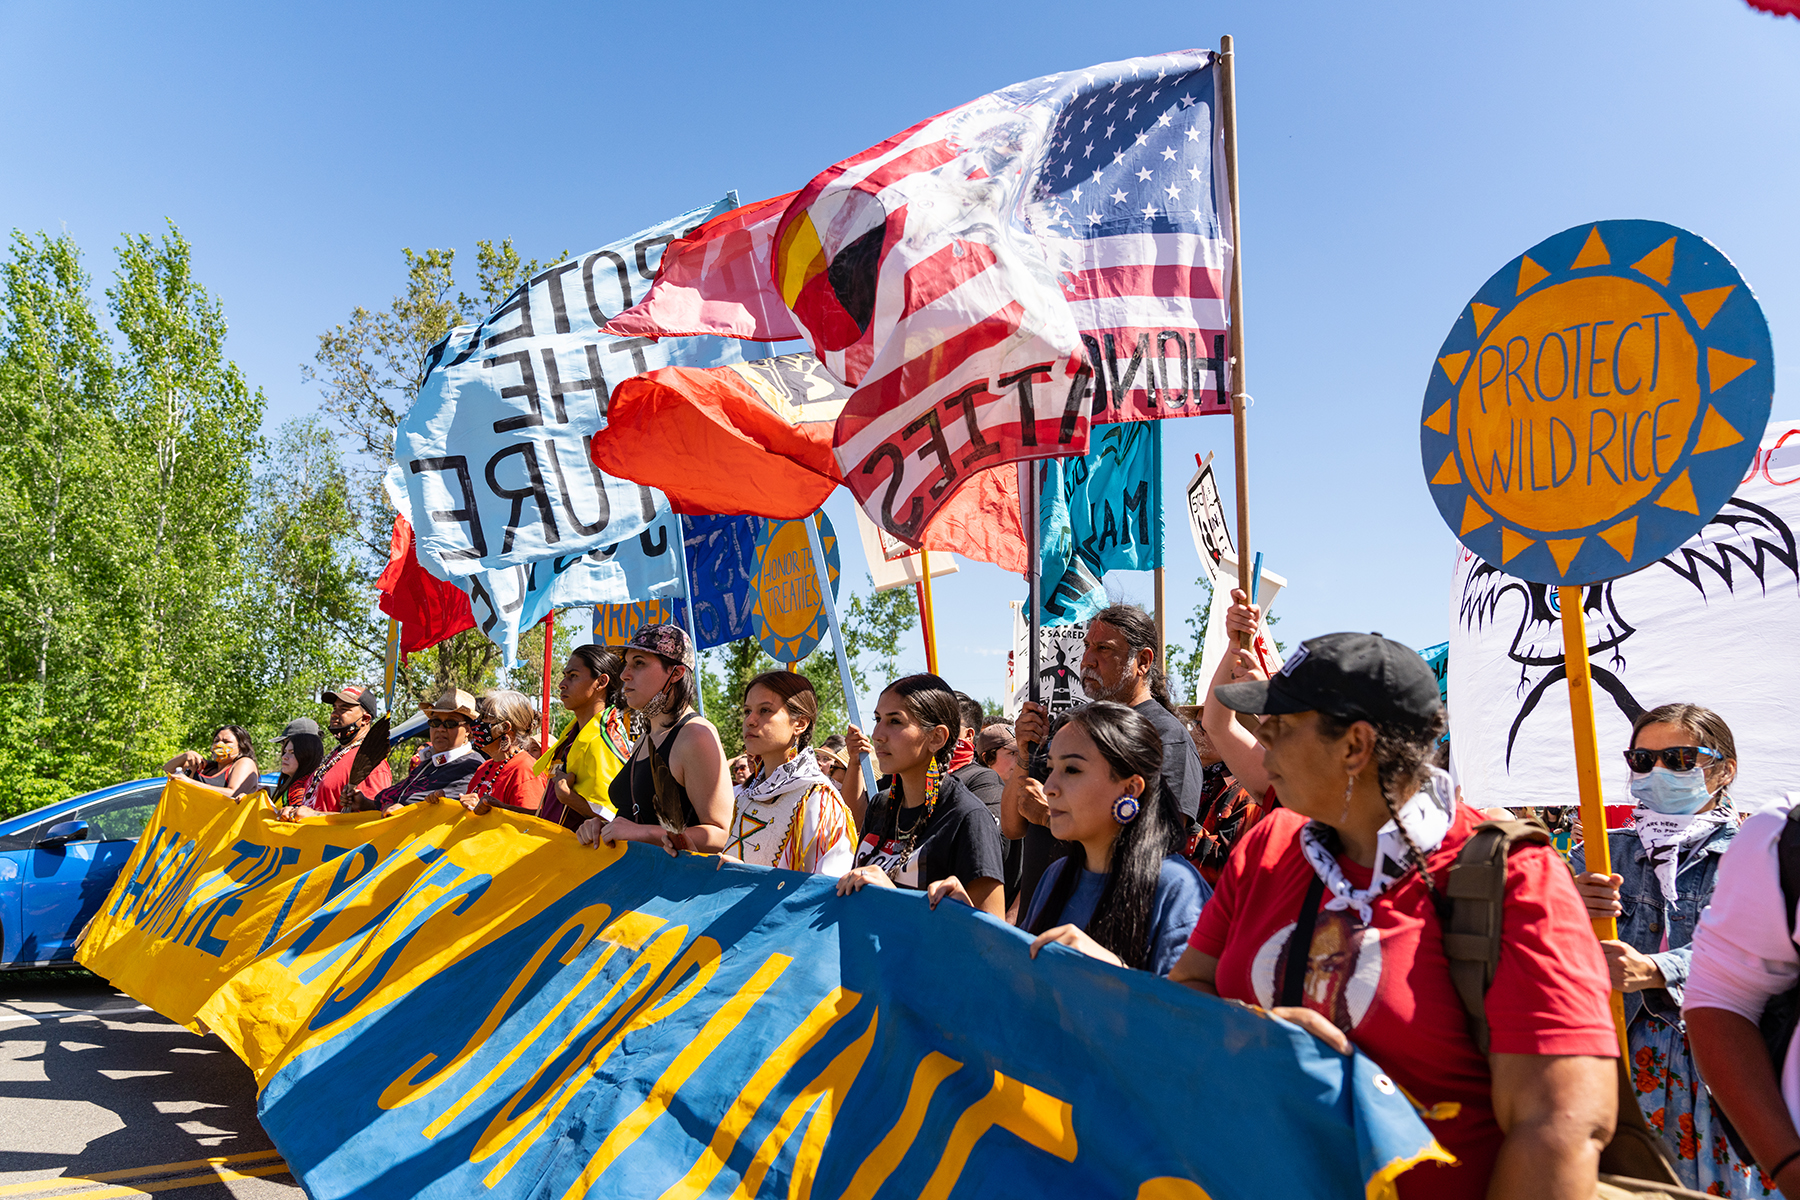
(188, 434)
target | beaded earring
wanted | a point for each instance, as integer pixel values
(1125, 809)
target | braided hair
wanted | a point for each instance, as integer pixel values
(1403, 755)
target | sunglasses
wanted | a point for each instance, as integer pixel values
(1675, 758)
(445, 722)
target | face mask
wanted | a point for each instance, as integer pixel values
(1674, 793)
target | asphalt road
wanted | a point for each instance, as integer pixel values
(101, 1098)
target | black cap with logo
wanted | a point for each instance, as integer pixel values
(1352, 676)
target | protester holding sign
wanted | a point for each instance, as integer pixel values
(1236, 745)
(1742, 986)
(1118, 895)
(503, 733)
(1331, 915)
(1227, 810)
(231, 771)
(581, 766)
(675, 790)
(927, 827)
(1682, 759)
(788, 814)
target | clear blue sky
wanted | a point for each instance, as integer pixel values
(1393, 156)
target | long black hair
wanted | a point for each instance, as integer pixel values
(1131, 745)
(603, 661)
(930, 701)
(309, 752)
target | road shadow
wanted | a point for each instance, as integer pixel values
(92, 1081)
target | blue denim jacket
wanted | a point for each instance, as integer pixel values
(1641, 924)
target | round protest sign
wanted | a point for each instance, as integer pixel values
(1597, 401)
(788, 612)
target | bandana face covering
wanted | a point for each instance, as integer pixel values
(1426, 818)
(1671, 840)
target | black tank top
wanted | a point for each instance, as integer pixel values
(633, 790)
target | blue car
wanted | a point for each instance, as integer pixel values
(58, 863)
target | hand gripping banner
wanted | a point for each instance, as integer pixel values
(443, 1005)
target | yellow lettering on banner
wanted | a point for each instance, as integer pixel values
(502, 1127)
(827, 1091)
(636, 928)
(702, 959)
(875, 1169)
(408, 1088)
(826, 1014)
(662, 1092)
(1037, 1117)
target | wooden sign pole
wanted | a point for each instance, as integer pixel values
(1240, 442)
(393, 664)
(1587, 767)
(925, 614)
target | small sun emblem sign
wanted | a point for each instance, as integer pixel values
(787, 610)
(1596, 402)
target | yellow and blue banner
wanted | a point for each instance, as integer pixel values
(437, 1004)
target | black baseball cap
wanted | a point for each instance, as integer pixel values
(1352, 676)
(300, 725)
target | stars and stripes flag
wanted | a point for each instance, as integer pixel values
(994, 279)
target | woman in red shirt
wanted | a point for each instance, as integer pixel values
(504, 734)
(1330, 915)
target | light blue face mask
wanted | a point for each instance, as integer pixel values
(1672, 793)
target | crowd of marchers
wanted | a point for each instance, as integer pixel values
(1287, 844)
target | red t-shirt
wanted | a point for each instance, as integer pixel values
(335, 773)
(1391, 993)
(514, 783)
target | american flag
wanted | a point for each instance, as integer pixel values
(1133, 184)
(988, 300)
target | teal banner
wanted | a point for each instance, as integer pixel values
(1100, 513)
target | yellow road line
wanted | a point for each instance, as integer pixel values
(218, 1172)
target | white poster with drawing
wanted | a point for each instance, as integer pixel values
(1717, 623)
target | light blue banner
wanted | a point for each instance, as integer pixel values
(494, 455)
(1100, 513)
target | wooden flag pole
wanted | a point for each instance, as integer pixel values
(549, 665)
(1587, 768)
(1156, 453)
(1240, 443)
(393, 664)
(926, 617)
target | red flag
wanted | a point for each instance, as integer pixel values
(745, 439)
(428, 609)
(981, 521)
(716, 281)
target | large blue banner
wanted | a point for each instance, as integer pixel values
(722, 568)
(441, 1005)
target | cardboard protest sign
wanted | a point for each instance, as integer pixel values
(1060, 648)
(1217, 642)
(494, 457)
(789, 613)
(1596, 401)
(893, 563)
(1713, 623)
(1206, 519)
(436, 1004)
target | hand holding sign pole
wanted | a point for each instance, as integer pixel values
(1596, 402)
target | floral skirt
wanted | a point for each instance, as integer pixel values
(1677, 1106)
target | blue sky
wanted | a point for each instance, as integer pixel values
(1393, 156)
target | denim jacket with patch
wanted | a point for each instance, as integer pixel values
(1641, 924)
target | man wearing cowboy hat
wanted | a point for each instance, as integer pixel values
(450, 761)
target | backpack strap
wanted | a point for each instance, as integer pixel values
(1477, 894)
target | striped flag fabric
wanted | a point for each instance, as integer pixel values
(714, 280)
(996, 278)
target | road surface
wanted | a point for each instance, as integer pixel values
(100, 1099)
